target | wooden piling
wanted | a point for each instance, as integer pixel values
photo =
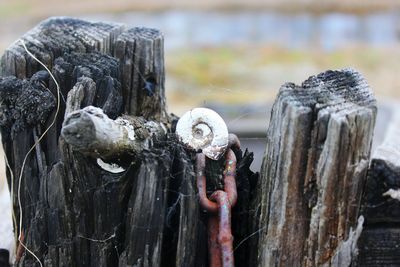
(313, 173)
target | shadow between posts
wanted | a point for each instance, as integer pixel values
(105, 186)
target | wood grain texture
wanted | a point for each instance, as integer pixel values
(379, 244)
(73, 211)
(142, 55)
(314, 168)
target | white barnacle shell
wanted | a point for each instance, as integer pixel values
(203, 128)
(110, 167)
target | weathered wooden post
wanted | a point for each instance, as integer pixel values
(72, 208)
(313, 174)
(96, 173)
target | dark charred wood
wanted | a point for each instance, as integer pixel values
(241, 213)
(73, 211)
(23, 104)
(379, 244)
(4, 258)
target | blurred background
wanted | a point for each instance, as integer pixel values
(233, 56)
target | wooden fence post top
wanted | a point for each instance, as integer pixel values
(120, 71)
(318, 146)
(140, 51)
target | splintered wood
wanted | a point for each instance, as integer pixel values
(313, 173)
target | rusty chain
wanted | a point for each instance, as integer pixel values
(219, 205)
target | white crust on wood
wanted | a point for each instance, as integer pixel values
(110, 167)
(393, 193)
(347, 250)
(92, 132)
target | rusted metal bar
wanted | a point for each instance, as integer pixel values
(214, 251)
(229, 181)
(20, 247)
(229, 177)
(233, 141)
(225, 238)
(205, 203)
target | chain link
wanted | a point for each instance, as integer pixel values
(219, 205)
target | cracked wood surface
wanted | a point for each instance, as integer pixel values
(317, 155)
(74, 212)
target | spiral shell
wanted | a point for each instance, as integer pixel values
(203, 128)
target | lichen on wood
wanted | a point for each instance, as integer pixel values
(93, 133)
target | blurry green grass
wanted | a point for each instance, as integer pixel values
(14, 8)
(254, 74)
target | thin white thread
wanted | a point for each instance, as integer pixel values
(97, 240)
(248, 237)
(31, 252)
(32, 148)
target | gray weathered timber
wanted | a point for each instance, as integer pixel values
(76, 212)
(142, 55)
(313, 173)
(54, 37)
(379, 244)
